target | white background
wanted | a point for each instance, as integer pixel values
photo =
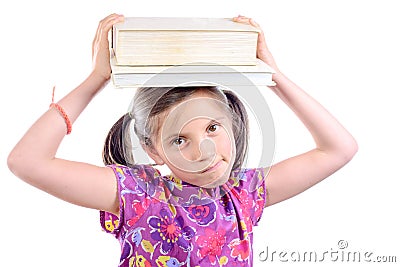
(343, 53)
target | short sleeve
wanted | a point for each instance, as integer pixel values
(249, 187)
(135, 185)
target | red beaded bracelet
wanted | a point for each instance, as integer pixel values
(62, 112)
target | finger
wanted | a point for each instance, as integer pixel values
(239, 18)
(104, 22)
(242, 19)
(103, 28)
(109, 18)
(246, 20)
(108, 22)
(101, 38)
(254, 23)
(100, 27)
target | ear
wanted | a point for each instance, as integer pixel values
(153, 154)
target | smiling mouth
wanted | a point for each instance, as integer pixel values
(212, 168)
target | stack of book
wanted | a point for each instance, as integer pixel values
(172, 51)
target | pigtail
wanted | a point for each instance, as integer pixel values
(240, 127)
(116, 148)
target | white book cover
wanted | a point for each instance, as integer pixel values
(227, 80)
(182, 24)
(180, 75)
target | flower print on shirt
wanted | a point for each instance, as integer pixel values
(126, 252)
(211, 244)
(139, 261)
(200, 211)
(139, 209)
(146, 182)
(247, 205)
(260, 202)
(166, 222)
(170, 230)
(240, 249)
(168, 261)
(229, 215)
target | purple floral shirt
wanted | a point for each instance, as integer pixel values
(166, 222)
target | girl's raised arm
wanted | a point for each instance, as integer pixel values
(33, 158)
(335, 146)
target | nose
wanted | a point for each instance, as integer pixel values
(202, 150)
(198, 156)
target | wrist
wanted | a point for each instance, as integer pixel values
(98, 80)
(100, 75)
(267, 58)
(93, 84)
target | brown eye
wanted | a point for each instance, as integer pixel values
(213, 128)
(178, 141)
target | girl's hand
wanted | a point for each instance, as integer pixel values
(263, 52)
(100, 46)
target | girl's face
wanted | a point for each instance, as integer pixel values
(196, 141)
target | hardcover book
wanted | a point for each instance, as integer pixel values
(183, 40)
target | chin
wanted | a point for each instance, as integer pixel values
(217, 182)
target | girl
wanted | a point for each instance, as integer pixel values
(203, 213)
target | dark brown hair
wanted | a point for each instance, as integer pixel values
(145, 111)
(113, 150)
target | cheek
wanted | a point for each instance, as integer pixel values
(225, 144)
(169, 152)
